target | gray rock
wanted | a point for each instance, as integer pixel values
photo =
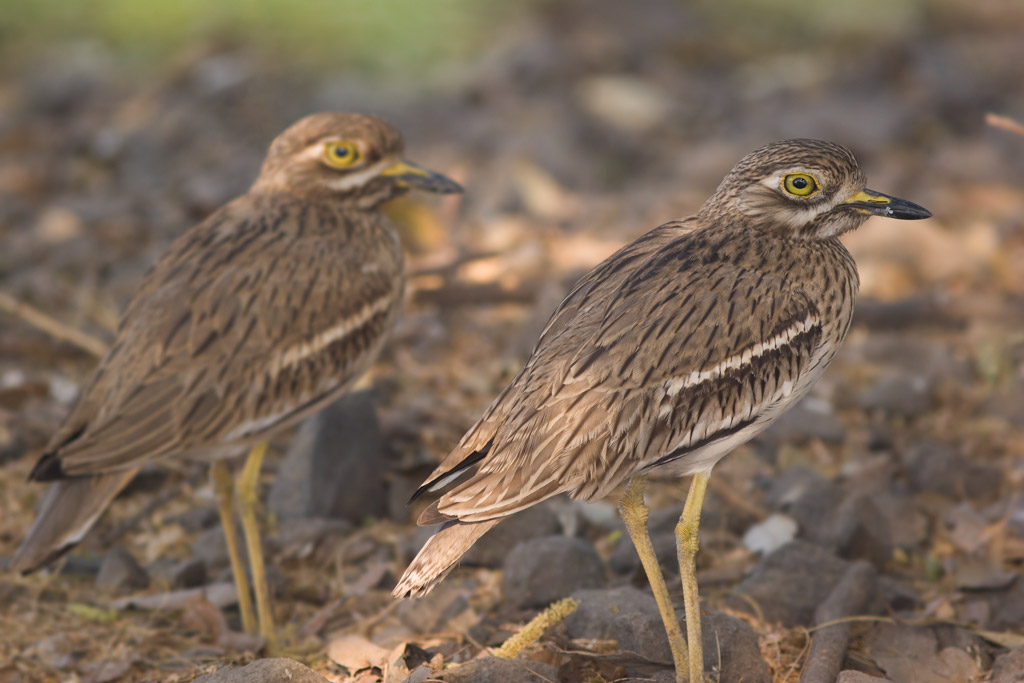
(210, 548)
(334, 465)
(625, 614)
(499, 670)
(624, 559)
(542, 570)
(1007, 606)
(898, 395)
(909, 653)
(437, 608)
(1009, 667)
(731, 650)
(189, 573)
(197, 518)
(938, 468)
(811, 418)
(630, 617)
(849, 523)
(264, 671)
(534, 522)
(852, 676)
(121, 573)
(789, 584)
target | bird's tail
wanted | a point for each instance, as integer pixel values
(439, 556)
(69, 509)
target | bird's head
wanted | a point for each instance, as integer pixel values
(807, 189)
(350, 157)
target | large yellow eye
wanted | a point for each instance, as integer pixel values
(800, 184)
(341, 153)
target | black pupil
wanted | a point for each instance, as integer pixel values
(799, 183)
(341, 152)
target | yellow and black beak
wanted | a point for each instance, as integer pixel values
(878, 204)
(411, 175)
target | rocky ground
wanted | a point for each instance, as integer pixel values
(887, 509)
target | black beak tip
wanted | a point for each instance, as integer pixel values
(908, 211)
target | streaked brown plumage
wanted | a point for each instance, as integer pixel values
(679, 347)
(249, 322)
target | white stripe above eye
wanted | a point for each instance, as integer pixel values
(304, 349)
(675, 385)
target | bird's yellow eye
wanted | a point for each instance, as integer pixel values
(800, 184)
(341, 153)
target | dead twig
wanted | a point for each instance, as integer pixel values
(1004, 123)
(54, 328)
(832, 634)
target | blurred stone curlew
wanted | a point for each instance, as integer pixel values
(678, 348)
(251, 321)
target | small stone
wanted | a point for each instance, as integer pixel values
(914, 653)
(770, 535)
(210, 548)
(938, 468)
(731, 649)
(908, 525)
(624, 559)
(189, 573)
(500, 670)
(849, 523)
(789, 584)
(438, 608)
(853, 676)
(534, 522)
(539, 571)
(811, 418)
(625, 614)
(1007, 606)
(264, 670)
(1009, 667)
(896, 395)
(196, 519)
(334, 467)
(121, 573)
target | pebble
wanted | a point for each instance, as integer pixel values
(853, 676)
(334, 465)
(1009, 667)
(264, 671)
(771, 534)
(500, 670)
(539, 571)
(851, 524)
(898, 395)
(937, 467)
(121, 573)
(789, 584)
(731, 649)
(811, 418)
(914, 653)
(625, 614)
(624, 559)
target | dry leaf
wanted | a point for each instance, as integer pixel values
(354, 652)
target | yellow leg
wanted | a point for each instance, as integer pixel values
(224, 487)
(248, 498)
(634, 514)
(687, 542)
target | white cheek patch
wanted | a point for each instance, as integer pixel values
(359, 178)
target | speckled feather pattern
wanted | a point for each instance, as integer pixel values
(680, 346)
(249, 322)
